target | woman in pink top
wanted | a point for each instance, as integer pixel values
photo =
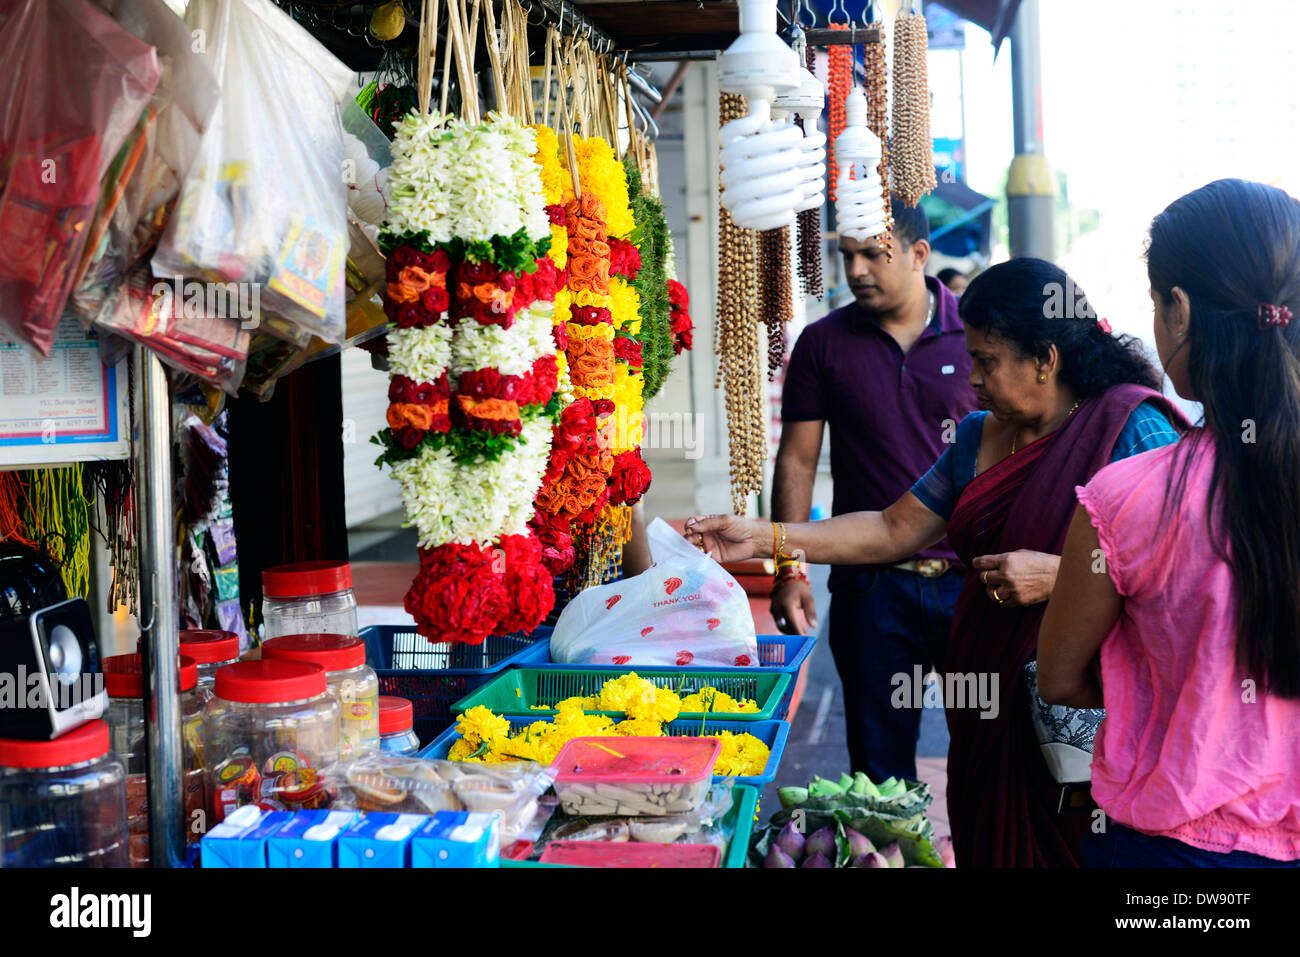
(1182, 565)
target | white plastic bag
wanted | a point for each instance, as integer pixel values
(265, 202)
(683, 610)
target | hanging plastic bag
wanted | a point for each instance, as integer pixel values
(266, 202)
(683, 610)
(75, 84)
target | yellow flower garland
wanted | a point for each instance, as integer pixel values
(600, 171)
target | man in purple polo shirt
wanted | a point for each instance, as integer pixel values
(889, 374)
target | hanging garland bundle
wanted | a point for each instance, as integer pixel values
(778, 307)
(840, 81)
(50, 509)
(913, 159)
(808, 226)
(877, 90)
(683, 328)
(651, 238)
(473, 369)
(740, 361)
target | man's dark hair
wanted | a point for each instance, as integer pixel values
(948, 274)
(910, 223)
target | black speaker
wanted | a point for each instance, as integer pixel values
(48, 683)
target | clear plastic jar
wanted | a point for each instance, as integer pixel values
(396, 734)
(126, 723)
(267, 731)
(309, 598)
(351, 681)
(211, 650)
(63, 802)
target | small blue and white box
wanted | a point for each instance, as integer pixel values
(458, 839)
(311, 839)
(380, 840)
(240, 840)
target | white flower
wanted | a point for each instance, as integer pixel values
(420, 354)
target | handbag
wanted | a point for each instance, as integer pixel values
(1065, 735)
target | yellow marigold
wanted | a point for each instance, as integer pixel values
(461, 751)
(479, 724)
(600, 171)
(742, 755)
(653, 704)
(616, 692)
(709, 699)
(557, 184)
(639, 728)
(559, 251)
(563, 306)
(625, 309)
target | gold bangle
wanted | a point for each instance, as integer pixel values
(776, 550)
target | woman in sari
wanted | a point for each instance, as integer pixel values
(1063, 398)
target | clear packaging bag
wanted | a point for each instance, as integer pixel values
(383, 782)
(685, 609)
(265, 202)
(76, 84)
(701, 826)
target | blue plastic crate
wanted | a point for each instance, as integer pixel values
(783, 653)
(772, 733)
(434, 676)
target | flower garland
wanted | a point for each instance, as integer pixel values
(652, 238)
(683, 329)
(474, 370)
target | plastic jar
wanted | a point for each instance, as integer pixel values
(351, 681)
(211, 650)
(126, 724)
(63, 802)
(309, 598)
(267, 731)
(396, 734)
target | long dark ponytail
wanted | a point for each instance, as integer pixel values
(1231, 246)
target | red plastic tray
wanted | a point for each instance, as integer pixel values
(618, 760)
(630, 854)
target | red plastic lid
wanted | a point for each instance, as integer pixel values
(637, 760)
(331, 652)
(395, 715)
(630, 854)
(209, 646)
(122, 678)
(306, 578)
(85, 743)
(269, 681)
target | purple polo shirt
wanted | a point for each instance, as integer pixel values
(886, 410)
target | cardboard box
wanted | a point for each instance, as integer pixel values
(458, 839)
(240, 840)
(309, 840)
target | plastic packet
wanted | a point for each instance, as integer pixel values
(701, 826)
(76, 86)
(381, 782)
(264, 202)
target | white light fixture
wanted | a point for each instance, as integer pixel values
(762, 160)
(859, 203)
(807, 103)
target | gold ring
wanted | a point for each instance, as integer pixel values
(700, 543)
(984, 577)
(996, 597)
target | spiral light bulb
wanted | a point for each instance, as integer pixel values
(762, 159)
(807, 102)
(859, 203)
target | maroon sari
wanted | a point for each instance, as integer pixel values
(1001, 798)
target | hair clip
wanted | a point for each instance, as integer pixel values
(1267, 314)
(1104, 325)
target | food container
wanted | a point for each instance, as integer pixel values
(63, 802)
(240, 840)
(267, 731)
(351, 681)
(126, 724)
(396, 726)
(634, 776)
(211, 650)
(309, 598)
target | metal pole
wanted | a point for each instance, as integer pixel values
(160, 635)
(1031, 200)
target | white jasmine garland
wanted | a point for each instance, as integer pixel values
(510, 351)
(420, 354)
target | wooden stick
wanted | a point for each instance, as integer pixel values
(546, 79)
(446, 58)
(494, 55)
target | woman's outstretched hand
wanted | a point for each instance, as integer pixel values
(725, 538)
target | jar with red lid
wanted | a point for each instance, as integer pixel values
(351, 681)
(269, 729)
(309, 598)
(211, 650)
(396, 726)
(63, 802)
(126, 723)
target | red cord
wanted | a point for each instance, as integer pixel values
(840, 76)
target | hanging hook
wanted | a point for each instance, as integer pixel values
(838, 8)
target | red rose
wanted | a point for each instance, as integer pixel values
(457, 595)
(398, 389)
(412, 315)
(555, 213)
(683, 341)
(438, 261)
(628, 350)
(407, 437)
(475, 273)
(605, 407)
(508, 280)
(435, 299)
(630, 478)
(399, 259)
(560, 333)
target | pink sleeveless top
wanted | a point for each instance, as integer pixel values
(1190, 748)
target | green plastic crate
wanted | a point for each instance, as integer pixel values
(744, 804)
(515, 692)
